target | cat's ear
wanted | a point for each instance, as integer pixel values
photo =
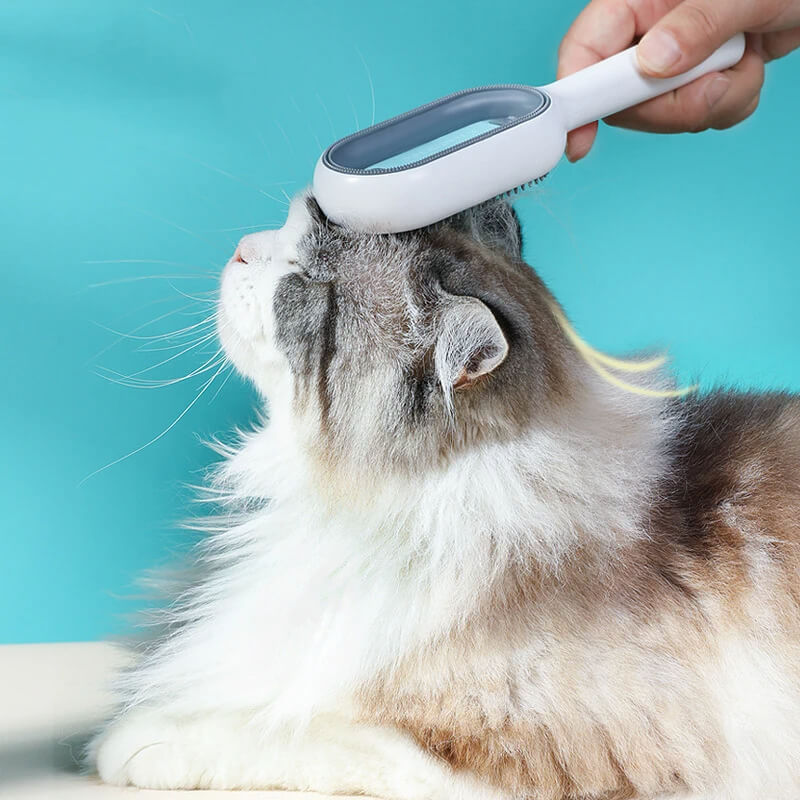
(470, 344)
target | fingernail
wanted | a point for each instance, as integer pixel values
(716, 90)
(658, 51)
(574, 153)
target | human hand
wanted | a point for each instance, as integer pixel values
(676, 35)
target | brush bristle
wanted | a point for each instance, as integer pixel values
(522, 187)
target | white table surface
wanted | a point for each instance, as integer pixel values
(51, 697)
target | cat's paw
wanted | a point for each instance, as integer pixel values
(145, 750)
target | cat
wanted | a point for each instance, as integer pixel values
(457, 563)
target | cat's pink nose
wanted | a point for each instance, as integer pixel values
(255, 248)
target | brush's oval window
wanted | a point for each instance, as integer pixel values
(436, 129)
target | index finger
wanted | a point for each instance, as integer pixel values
(603, 28)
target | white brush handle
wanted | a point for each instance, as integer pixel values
(617, 83)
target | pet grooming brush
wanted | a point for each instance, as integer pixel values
(451, 154)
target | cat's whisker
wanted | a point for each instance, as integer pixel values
(142, 261)
(146, 324)
(167, 360)
(175, 225)
(158, 336)
(285, 136)
(138, 278)
(328, 115)
(355, 115)
(308, 125)
(192, 297)
(172, 340)
(163, 433)
(222, 385)
(371, 85)
(139, 383)
(263, 226)
(151, 348)
(238, 180)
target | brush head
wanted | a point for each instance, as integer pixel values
(430, 163)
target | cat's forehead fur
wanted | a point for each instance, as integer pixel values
(399, 273)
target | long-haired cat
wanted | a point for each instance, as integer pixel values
(457, 563)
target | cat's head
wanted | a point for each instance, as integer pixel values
(394, 351)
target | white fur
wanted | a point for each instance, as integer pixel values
(229, 751)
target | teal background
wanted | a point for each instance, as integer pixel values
(137, 138)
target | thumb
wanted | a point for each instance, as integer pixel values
(690, 33)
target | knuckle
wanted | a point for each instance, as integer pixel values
(699, 19)
(741, 115)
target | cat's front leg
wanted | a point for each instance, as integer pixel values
(152, 750)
